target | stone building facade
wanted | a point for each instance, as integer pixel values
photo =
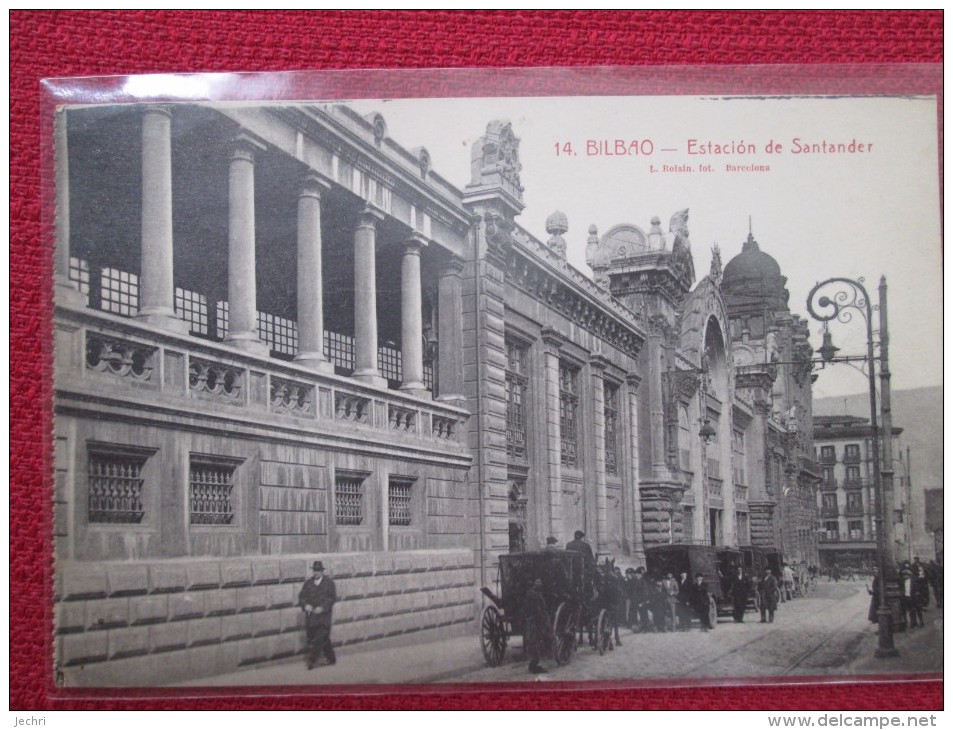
(846, 503)
(282, 336)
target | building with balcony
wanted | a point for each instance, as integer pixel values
(846, 527)
(282, 336)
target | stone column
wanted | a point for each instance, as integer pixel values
(450, 334)
(632, 519)
(310, 283)
(156, 304)
(365, 299)
(411, 324)
(242, 291)
(597, 368)
(551, 345)
(67, 292)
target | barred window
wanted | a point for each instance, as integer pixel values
(119, 292)
(516, 383)
(568, 404)
(280, 333)
(399, 501)
(79, 273)
(517, 501)
(211, 486)
(611, 410)
(193, 308)
(115, 486)
(339, 350)
(349, 499)
(388, 363)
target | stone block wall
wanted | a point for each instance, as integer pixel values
(159, 622)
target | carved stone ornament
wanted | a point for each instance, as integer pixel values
(501, 153)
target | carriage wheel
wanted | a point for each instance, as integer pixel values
(712, 612)
(564, 633)
(604, 628)
(493, 636)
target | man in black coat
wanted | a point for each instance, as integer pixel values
(317, 599)
(581, 546)
(738, 590)
(699, 601)
(537, 623)
(768, 593)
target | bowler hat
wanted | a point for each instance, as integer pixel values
(579, 534)
(317, 565)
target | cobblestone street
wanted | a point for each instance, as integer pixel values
(824, 634)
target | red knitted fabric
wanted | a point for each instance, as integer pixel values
(48, 43)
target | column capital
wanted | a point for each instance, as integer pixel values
(163, 109)
(553, 339)
(244, 146)
(599, 362)
(633, 380)
(453, 267)
(415, 243)
(370, 217)
(314, 185)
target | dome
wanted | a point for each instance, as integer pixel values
(751, 263)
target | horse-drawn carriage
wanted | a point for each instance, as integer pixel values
(569, 591)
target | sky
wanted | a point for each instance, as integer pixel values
(868, 211)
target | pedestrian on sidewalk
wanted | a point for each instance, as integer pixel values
(537, 622)
(670, 591)
(768, 593)
(787, 576)
(874, 592)
(910, 597)
(699, 601)
(316, 599)
(738, 590)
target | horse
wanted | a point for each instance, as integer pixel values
(608, 594)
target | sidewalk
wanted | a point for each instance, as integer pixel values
(918, 648)
(432, 662)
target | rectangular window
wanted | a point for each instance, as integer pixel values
(611, 411)
(829, 502)
(516, 385)
(399, 501)
(115, 486)
(828, 472)
(568, 405)
(852, 453)
(827, 455)
(119, 292)
(79, 273)
(193, 308)
(856, 530)
(852, 475)
(738, 457)
(349, 499)
(855, 501)
(211, 487)
(339, 349)
(831, 530)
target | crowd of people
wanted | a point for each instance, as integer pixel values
(914, 582)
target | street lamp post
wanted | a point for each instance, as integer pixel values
(838, 299)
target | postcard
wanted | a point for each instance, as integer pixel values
(357, 388)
